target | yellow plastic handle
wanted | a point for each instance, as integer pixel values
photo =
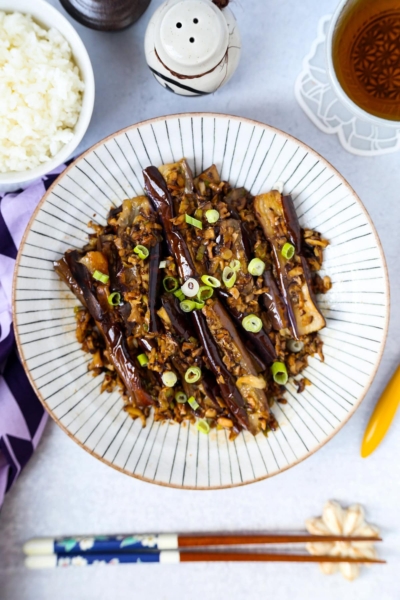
(382, 416)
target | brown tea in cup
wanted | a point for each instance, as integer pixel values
(366, 55)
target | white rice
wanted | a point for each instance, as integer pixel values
(40, 93)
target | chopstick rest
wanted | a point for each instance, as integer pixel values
(340, 521)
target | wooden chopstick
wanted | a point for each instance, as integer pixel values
(272, 557)
(190, 541)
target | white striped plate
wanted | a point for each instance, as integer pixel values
(247, 154)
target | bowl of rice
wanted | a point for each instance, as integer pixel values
(46, 91)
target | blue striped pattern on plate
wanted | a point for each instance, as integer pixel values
(247, 154)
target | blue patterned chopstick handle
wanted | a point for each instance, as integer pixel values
(118, 543)
(49, 561)
(107, 558)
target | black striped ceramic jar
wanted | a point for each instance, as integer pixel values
(192, 47)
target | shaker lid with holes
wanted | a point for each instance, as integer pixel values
(192, 46)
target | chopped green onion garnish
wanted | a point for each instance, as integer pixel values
(170, 284)
(190, 288)
(114, 299)
(279, 372)
(143, 360)
(169, 378)
(295, 345)
(200, 253)
(99, 276)
(192, 221)
(179, 294)
(212, 215)
(193, 374)
(162, 264)
(193, 403)
(228, 277)
(187, 305)
(180, 397)
(199, 305)
(256, 267)
(235, 265)
(211, 281)
(288, 251)
(205, 292)
(252, 323)
(141, 251)
(203, 426)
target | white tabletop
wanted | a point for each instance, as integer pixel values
(65, 491)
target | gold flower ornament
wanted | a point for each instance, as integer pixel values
(336, 520)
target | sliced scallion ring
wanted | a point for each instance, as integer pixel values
(192, 221)
(252, 323)
(179, 294)
(141, 251)
(180, 397)
(228, 277)
(143, 360)
(211, 281)
(256, 267)
(193, 374)
(187, 305)
(200, 253)
(205, 292)
(170, 284)
(203, 426)
(99, 276)
(212, 215)
(295, 345)
(114, 299)
(192, 402)
(162, 264)
(235, 265)
(169, 378)
(190, 288)
(279, 373)
(288, 251)
(199, 305)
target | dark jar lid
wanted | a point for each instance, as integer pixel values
(106, 15)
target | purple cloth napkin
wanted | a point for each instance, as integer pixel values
(22, 417)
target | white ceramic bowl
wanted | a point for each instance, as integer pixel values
(47, 16)
(247, 154)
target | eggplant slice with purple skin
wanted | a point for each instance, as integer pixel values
(212, 323)
(241, 207)
(278, 219)
(157, 190)
(77, 276)
(241, 300)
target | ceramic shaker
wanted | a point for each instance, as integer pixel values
(192, 47)
(105, 15)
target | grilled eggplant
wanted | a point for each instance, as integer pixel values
(280, 227)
